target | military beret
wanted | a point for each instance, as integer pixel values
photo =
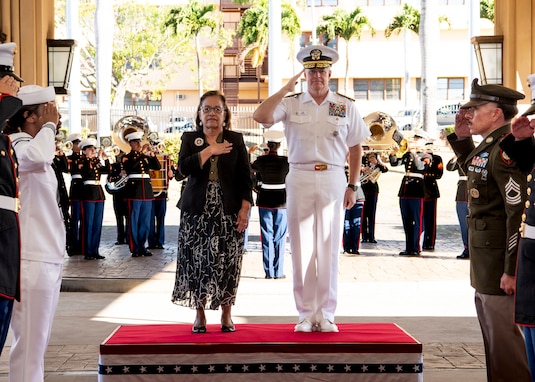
(482, 94)
(531, 84)
(317, 56)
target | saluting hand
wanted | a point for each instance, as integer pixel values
(522, 128)
(50, 114)
(290, 85)
(462, 126)
(9, 85)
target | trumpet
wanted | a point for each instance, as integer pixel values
(370, 176)
(67, 146)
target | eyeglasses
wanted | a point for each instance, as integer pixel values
(215, 109)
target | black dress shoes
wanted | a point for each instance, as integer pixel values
(146, 253)
(364, 241)
(88, 257)
(135, 254)
(409, 253)
(228, 329)
(464, 256)
(99, 257)
(198, 329)
(373, 241)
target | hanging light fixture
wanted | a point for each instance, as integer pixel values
(60, 54)
(489, 56)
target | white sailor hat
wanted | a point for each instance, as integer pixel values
(85, 143)
(7, 51)
(135, 136)
(273, 135)
(73, 137)
(531, 84)
(35, 94)
(317, 56)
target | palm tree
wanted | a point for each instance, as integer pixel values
(189, 20)
(406, 21)
(345, 26)
(253, 29)
(429, 35)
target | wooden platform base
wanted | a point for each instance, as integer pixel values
(260, 352)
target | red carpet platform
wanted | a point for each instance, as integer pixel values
(260, 352)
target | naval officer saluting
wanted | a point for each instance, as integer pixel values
(320, 127)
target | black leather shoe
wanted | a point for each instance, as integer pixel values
(99, 257)
(198, 329)
(364, 241)
(228, 329)
(88, 257)
(147, 253)
(463, 256)
(428, 248)
(135, 254)
(373, 241)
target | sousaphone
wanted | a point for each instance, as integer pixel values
(384, 132)
(126, 125)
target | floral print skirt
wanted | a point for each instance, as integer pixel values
(209, 256)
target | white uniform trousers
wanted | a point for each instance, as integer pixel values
(315, 225)
(32, 320)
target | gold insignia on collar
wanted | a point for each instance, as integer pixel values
(489, 140)
(3, 153)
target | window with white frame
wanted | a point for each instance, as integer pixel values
(377, 89)
(448, 88)
(377, 2)
(322, 3)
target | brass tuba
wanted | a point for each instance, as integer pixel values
(385, 136)
(126, 125)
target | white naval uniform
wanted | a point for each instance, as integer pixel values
(43, 248)
(317, 134)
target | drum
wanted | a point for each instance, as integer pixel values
(158, 178)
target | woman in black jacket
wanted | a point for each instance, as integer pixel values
(214, 213)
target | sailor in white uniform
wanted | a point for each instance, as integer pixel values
(321, 127)
(33, 131)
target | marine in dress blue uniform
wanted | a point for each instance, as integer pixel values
(139, 192)
(461, 204)
(434, 171)
(91, 168)
(9, 202)
(411, 199)
(271, 201)
(372, 169)
(520, 147)
(75, 196)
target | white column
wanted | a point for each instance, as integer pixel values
(73, 32)
(104, 23)
(274, 57)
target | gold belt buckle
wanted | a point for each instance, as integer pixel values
(17, 205)
(320, 167)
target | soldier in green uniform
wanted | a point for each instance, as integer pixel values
(496, 196)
